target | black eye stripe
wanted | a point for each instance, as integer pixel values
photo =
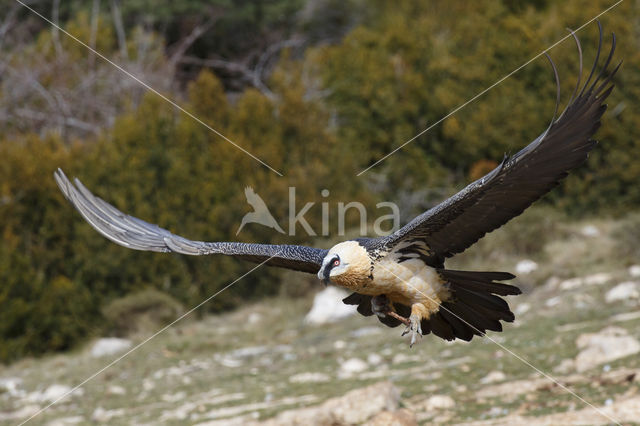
(333, 260)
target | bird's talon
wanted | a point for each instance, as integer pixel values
(415, 328)
(381, 306)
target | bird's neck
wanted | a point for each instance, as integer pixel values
(357, 277)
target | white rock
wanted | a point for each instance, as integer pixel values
(439, 402)
(288, 356)
(109, 346)
(22, 413)
(64, 421)
(116, 390)
(374, 359)
(401, 417)
(497, 411)
(102, 415)
(597, 279)
(179, 413)
(254, 318)
(522, 308)
(552, 283)
(366, 331)
(328, 307)
(607, 345)
(339, 344)
(634, 271)
(174, 397)
(590, 231)
(570, 284)
(623, 291)
(230, 362)
(351, 367)
(357, 407)
(148, 385)
(249, 351)
(402, 357)
(54, 392)
(553, 301)
(493, 376)
(526, 266)
(309, 378)
(11, 385)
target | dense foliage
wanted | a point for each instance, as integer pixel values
(331, 109)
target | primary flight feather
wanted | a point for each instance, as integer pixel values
(401, 278)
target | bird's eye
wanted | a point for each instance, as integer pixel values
(336, 262)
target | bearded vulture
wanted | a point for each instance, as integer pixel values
(401, 277)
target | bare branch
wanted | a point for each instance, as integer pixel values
(55, 17)
(41, 116)
(117, 22)
(95, 11)
(188, 41)
(233, 67)
(251, 76)
(9, 21)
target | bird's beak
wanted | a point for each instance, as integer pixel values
(323, 275)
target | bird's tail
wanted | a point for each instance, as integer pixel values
(474, 306)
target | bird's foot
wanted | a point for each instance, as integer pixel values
(381, 306)
(414, 328)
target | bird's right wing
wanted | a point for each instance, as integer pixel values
(134, 233)
(504, 193)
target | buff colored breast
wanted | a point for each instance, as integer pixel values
(408, 282)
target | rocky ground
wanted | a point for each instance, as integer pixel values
(578, 322)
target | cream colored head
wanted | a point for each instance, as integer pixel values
(347, 264)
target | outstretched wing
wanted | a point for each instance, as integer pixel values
(505, 192)
(137, 234)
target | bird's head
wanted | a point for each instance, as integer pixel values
(347, 264)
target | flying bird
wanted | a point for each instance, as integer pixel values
(401, 278)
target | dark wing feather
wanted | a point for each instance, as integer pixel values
(516, 183)
(137, 234)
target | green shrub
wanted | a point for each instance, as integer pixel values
(144, 310)
(43, 316)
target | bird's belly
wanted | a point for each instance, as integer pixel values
(407, 282)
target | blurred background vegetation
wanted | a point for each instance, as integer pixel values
(319, 89)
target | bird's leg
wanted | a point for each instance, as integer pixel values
(382, 307)
(418, 311)
(400, 318)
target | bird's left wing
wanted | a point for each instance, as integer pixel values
(134, 233)
(505, 192)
